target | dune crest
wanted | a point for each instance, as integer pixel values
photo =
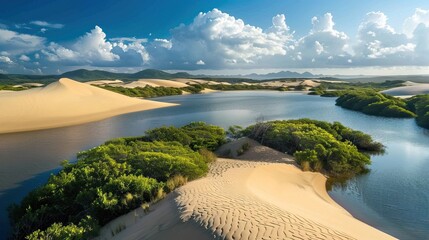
(409, 90)
(64, 103)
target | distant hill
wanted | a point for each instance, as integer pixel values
(282, 74)
(86, 75)
(153, 73)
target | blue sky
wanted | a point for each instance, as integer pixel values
(215, 35)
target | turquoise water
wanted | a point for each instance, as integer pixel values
(393, 197)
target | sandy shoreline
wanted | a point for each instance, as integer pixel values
(259, 196)
(64, 103)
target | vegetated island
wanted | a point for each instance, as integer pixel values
(128, 174)
(367, 98)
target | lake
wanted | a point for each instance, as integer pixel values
(393, 197)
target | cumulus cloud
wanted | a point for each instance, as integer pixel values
(94, 46)
(18, 43)
(380, 44)
(94, 49)
(420, 16)
(222, 41)
(323, 46)
(200, 62)
(4, 59)
(24, 58)
(47, 24)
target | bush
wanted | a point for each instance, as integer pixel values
(373, 103)
(318, 145)
(112, 179)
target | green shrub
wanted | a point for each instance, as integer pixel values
(373, 103)
(112, 179)
(318, 145)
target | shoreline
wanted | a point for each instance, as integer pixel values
(65, 103)
(245, 199)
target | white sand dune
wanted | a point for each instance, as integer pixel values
(155, 83)
(415, 89)
(63, 103)
(310, 83)
(261, 197)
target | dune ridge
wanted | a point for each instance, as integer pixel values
(410, 90)
(64, 103)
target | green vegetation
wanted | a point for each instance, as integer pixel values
(318, 145)
(329, 89)
(145, 92)
(374, 103)
(365, 98)
(420, 105)
(11, 88)
(114, 178)
(243, 149)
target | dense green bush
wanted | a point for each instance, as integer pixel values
(317, 145)
(196, 135)
(112, 179)
(145, 92)
(373, 103)
(420, 105)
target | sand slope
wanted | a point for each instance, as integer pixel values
(260, 200)
(64, 103)
(410, 90)
(260, 196)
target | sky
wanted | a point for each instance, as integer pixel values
(216, 36)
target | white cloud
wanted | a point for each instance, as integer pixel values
(200, 62)
(322, 43)
(47, 24)
(411, 23)
(421, 40)
(94, 46)
(18, 43)
(222, 41)
(325, 24)
(380, 44)
(4, 59)
(319, 47)
(128, 39)
(24, 58)
(94, 49)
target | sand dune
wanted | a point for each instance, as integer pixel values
(155, 83)
(260, 197)
(310, 83)
(64, 103)
(410, 90)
